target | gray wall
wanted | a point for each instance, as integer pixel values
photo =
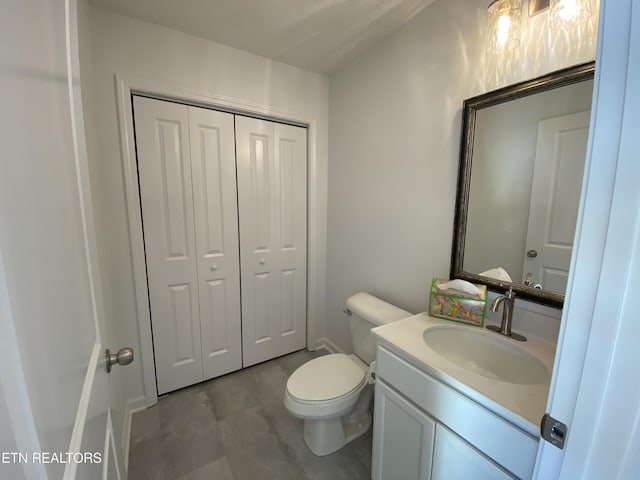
(394, 129)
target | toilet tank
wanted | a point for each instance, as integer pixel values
(366, 312)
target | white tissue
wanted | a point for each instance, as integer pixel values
(461, 286)
(498, 273)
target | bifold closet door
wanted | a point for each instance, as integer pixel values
(272, 202)
(186, 166)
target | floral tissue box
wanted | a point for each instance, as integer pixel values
(456, 305)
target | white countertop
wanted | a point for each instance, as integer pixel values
(521, 405)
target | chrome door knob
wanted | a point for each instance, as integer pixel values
(123, 357)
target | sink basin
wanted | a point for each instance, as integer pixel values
(485, 353)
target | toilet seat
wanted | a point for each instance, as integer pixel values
(325, 378)
(325, 386)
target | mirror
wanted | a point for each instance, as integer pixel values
(520, 177)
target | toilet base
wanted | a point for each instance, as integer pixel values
(327, 436)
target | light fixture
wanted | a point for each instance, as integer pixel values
(565, 14)
(537, 6)
(504, 25)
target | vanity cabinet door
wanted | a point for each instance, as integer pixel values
(402, 438)
(455, 459)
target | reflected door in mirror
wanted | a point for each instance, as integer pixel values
(555, 196)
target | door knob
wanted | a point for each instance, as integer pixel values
(213, 268)
(532, 254)
(262, 261)
(123, 357)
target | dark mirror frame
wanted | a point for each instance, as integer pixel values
(550, 81)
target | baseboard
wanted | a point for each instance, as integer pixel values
(324, 342)
(133, 405)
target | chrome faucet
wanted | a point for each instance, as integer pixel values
(509, 299)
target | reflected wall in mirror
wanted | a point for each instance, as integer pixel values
(521, 165)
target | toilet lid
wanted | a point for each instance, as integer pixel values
(325, 377)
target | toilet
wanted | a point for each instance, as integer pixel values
(333, 393)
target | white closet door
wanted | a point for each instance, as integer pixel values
(216, 214)
(162, 140)
(272, 202)
(186, 161)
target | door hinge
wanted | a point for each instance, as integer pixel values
(553, 431)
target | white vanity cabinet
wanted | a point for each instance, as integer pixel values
(424, 429)
(403, 437)
(455, 459)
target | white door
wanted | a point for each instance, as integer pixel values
(455, 459)
(272, 203)
(594, 387)
(555, 196)
(186, 163)
(55, 387)
(216, 211)
(403, 438)
(166, 197)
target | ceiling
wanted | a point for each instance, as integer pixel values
(317, 35)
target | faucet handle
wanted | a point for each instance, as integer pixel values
(510, 293)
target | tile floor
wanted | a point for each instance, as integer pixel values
(236, 428)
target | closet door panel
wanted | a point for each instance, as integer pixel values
(271, 162)
(291, 168)
(162, 141)
(256, 193)
(216, 230)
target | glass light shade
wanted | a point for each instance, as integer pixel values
(504, 25)
(568, 13)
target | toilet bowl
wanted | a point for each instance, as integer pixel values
(333, 393)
